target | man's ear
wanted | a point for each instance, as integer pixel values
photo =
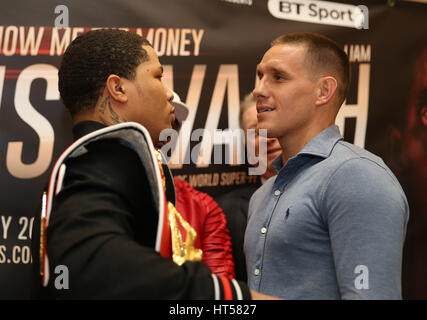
(115, 87)
(326, 88)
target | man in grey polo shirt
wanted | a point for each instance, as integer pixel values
(332, 223)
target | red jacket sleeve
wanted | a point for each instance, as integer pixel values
(209, 221)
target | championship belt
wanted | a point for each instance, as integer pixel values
(181, 251)
(169, 239)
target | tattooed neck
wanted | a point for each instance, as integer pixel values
(107, 114)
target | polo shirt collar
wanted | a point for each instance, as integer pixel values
(320, 146)
(323, 144)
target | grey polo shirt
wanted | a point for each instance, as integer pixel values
(330, 225)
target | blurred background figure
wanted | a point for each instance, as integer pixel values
(408, 159)
(235, 203)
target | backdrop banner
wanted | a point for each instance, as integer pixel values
(210, 50)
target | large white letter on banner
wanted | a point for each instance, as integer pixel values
(359, 110)
(227, 80)
(35, 120)
(183, 142)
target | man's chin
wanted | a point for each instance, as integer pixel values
(266, 132)
(273, 155)
(159, 144)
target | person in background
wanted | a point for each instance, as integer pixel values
(332, 223)
(407, 143)
(235, 203)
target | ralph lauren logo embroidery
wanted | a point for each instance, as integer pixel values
(287, 213)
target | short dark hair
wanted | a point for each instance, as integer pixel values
(91, 58)
(322, 54)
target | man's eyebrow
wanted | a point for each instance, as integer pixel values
(280, 71)
(274, 70)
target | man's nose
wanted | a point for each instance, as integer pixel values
(259, 90)
(169, 94)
